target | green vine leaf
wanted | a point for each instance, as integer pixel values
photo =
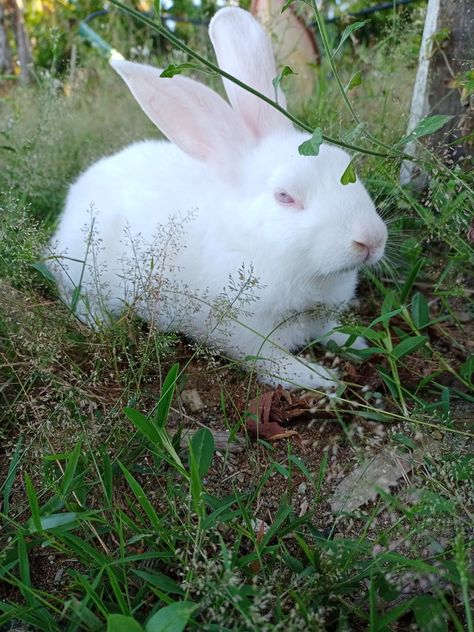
(427, 126)
(347, 32)
(285, 72)
(356, 80)
(176, 69)
(311, 147)
(349, 176)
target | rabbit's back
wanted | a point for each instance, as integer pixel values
(114, 213)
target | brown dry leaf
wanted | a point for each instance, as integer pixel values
(381, 472)
(365, 374)
(267, 412)
(271, 431)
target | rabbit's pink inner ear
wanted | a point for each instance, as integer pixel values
(192, 116)
(244, 51)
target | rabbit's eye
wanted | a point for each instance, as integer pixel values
(285, 199)
(282, 197)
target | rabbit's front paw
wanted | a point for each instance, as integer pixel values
(293, 373)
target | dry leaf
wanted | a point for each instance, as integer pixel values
(271, 431)
(273, 408)
(381, 472)
(365, 373)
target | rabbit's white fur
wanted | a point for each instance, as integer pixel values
(231, 167)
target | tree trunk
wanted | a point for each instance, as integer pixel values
(22, 42)
(446, 55)
(5, 53)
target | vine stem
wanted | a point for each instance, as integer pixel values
(215, 69)
(327, 49)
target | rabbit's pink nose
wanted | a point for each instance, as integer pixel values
(363, 249)
(368, 247)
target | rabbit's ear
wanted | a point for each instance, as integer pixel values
(192, 116)
(244, 51)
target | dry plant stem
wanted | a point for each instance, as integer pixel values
(179, 44)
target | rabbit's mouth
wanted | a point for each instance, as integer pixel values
(348, 268)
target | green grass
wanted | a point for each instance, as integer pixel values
(112, 517)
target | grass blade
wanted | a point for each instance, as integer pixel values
(71, 468)
(167, 393)
(202, 446)
(33, 502)
(142, 499)
(10, 479)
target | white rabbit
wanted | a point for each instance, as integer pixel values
(242, 204)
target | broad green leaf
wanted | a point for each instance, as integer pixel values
(390, 384)
(347, 32)
(284, 510)
(388, 302)
(157, 436)
(404, 440)
(311, 147)
(355, 80)
(71, 468)
(285, 72)
(349, 175)
(202, 446)
(163, 582)
(76, 295)
(157, 7)
(196, 485)
(176, 69)
(467, 369)
(301, 466)
(33, 502)
(84, 615)
(414, 272)
(392, 615)
(83, 550)
(429, 614)
(172, 618)
(24, 566)
(419, 310)
(383, 318)
(410, 249)
(115, 585)
(53, 521)
(122, 623)
(44, 271)
(141, 498)
(365, 354)
(409, 345)
(374, 416)
(427, 126)
(166, 396)
(143, 424)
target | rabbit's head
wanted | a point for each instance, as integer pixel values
(295, 203)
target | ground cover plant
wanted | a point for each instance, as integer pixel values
(147, 484)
